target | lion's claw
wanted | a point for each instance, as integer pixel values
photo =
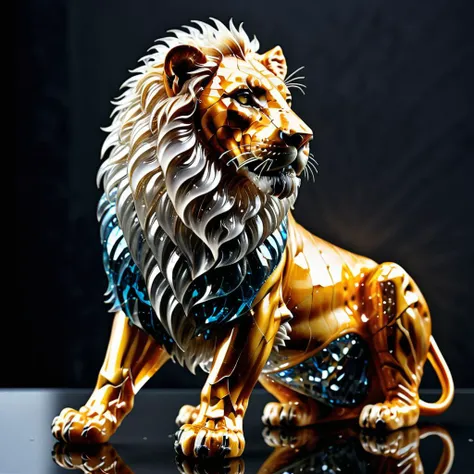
(288, 414)
(204, 442)
(388, 416)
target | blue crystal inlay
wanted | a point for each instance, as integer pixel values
(127, 290)
(220, 296)
(233, 288)
(336, 375)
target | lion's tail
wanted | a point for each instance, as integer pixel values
(445, 379)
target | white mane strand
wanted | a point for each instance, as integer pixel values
(182, 213)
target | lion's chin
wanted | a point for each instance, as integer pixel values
(282, 185)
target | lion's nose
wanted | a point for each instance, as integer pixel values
(297, 140)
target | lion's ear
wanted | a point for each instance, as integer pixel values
(274, 60)
(179, 64)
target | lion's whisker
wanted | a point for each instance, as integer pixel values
(268, 161)
(312, 168)
(292, 86)
(238, 156)
(248, 161)
(294, 79)
(310, 171)
(311, 155)
(261, 164)
(230, 150)
(299, 84)
(293, 73)
(312, 160)
(236, 148)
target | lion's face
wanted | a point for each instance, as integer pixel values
(245, 119)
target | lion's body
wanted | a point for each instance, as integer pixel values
(207, 266)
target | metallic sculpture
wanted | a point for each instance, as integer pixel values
(207, 266)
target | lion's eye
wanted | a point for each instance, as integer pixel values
(244, 98)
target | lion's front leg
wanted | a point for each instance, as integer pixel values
(132, 358)
(400, 328)
(239, 359)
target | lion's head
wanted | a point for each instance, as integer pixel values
(244, 115)
(204, 158)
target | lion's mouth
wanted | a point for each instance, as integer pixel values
(281, 183)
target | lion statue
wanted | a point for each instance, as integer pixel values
(206, 265)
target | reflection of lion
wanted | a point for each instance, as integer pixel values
(207, 266)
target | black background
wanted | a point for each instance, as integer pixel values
(390, 99)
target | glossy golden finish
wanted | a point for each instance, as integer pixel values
(302, 450)
(233, 112)
(132, 358)
(331, 292)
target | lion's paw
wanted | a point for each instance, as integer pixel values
(91, 459)
(209, 440)
(82, 427)
(288, 414)
(389, 416)
(187, 415)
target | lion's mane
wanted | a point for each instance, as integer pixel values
(184, 214)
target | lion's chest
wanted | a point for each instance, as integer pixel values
(228, 293)
(215, 298)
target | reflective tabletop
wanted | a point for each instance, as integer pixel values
(144, 442)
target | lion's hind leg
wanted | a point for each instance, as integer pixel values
(399, 327)
(292, 408)
(132, 358)
(329, 385)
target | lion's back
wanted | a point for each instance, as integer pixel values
(323, 254)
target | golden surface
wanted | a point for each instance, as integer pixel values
(322, 291)
(329, 292)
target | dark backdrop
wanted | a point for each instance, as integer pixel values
(390, 101)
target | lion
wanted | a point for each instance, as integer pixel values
(207, 266)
